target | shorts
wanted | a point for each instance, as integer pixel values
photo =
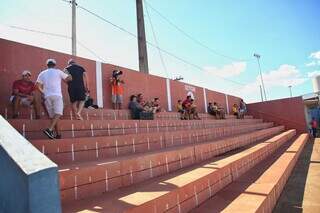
(23, 101)
(76, 94)
(117, 99)
(54, 105)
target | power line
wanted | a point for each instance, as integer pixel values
(156, 41)
(194, 39)
(61, 36)
(153, 45)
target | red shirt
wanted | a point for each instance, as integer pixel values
(24, 87)
(314, 124)
(186, 103)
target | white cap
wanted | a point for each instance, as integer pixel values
(51, 61)
(25, 72)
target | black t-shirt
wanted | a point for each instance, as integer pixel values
(76, 72)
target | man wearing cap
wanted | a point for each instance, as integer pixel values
(49, 84)
(23, 94)
(78, 87)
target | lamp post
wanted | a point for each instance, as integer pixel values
(290, 89)
(263, 88)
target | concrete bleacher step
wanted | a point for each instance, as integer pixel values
(183, 190)
(103, 114)
(94, 148)
(88, 178)
(258, 189)
(75, 128)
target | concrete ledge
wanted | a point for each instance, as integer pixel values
(28, 180)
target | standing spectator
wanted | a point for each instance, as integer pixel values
(77, 88)
(242, 109)
(314, 126)
(49, 84)
(23, 94)
(117, 89)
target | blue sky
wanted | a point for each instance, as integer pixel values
(285, 33)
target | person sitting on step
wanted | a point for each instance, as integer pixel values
(23, 94)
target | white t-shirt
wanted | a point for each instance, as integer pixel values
(51, 81)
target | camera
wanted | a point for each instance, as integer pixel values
(116, 73)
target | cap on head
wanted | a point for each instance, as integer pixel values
(71, 61)
(51, 62)
(26, 72)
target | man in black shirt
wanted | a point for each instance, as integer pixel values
(78, 87)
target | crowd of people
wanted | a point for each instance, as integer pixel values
(46, 91)
(141, 109)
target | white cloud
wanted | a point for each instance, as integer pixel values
(284, 76)
(314, 73)
(311, 64)
(227, 71)
(315, 55)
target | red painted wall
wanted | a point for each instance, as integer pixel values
(288, 112)
(16, 57)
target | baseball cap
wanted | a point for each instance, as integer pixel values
(26, 72)
(51, 61)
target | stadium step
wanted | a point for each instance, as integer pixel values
(75, 128)
(183, 190)
(94, 148)
(259, 189)
(103, 114)
(89, 177)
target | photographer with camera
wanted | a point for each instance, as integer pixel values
(117, 89)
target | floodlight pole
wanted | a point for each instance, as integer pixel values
(74, 30)
(263, 88)
(142, 43)
(290, 89)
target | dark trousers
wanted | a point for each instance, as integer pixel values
(314, 132)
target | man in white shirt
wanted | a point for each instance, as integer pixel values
(49, 84)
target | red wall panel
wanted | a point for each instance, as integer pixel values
(16, 57)
(288, 112)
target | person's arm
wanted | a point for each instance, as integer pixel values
(66, 77)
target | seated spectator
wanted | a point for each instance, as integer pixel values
(89, 102)
(219, 111)
(235, 110)
(156, 105)
(23, 94)
(210, 110)
(186, 104)
(193, 111)
(180, 110)
(135, 107)
(140, 99)
(147, 106)
(242, 109)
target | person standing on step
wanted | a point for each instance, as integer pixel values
(116, 89)
(314, 126)
(77, 88)
(49, 84)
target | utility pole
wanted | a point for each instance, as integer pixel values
(290, 89)
(74, 30)
(142, 45)
(264, 90)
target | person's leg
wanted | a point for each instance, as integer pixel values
(314, 132)
(15, 106)
(74, 106)
(114, 101)
(36, 104)
(80, 108)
